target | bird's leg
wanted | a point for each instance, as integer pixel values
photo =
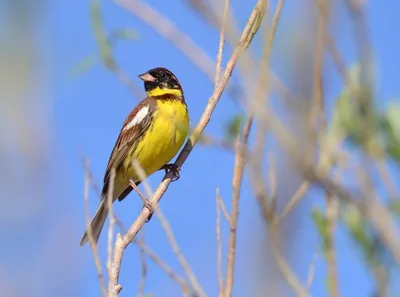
(174, 168)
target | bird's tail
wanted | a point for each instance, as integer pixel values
(97, 223)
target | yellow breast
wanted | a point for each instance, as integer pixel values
(164, 138)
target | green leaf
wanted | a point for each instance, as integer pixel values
(233, 127)
(122, 34)
(100, 35)
(391, 130)
(395, 207)
(83, 66)
(360, 231)
(344, 119)
(321, 223)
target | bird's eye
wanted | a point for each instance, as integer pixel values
(162, 75)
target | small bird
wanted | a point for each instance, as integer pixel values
(152, 134)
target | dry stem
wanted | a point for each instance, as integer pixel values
(92, 242)
(219, 244)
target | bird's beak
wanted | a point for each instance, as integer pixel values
(146, 77)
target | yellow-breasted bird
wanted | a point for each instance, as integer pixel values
(153, 133)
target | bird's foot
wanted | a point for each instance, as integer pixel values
(149, 205)
(174, 168)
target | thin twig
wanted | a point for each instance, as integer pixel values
(140, 242)
(311, 272)
(261, 99)
(317, 109)
(92, 242)
(208, 140)
(331, 216)
(142, 197)
(223, 208)
(144, 269)
(284, 268)
(219, 245)
(218, 67)
(298, 195)
(240, 148)
(236, 183)
(168, 270)
(168, 231)
(181, 258)
(272, 182)
(337, 58)
(112, 218)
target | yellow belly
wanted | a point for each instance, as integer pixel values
(163, 139)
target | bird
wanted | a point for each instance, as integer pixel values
(152, 134)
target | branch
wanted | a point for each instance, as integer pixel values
(92, 242)
(237, 183)
(168, 270)
(167, 228)
(112, 218)
(186, 289)
(123, 242)
(144, 269)
(284, 267)
(219, 245)
(262, 92)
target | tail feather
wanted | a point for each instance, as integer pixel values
(97, 223)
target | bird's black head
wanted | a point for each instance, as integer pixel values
(159, 80)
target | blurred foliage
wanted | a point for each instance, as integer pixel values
(84, 65)
(233, 127)
(100, 34)
(105, 42)
(357, 119)
(389, 125)
(361, 231)
(321, 224)
(394, 206)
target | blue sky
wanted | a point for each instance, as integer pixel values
(88, 111)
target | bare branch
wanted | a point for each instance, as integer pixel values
(219, 245)
(223, 208)
(284, 268)
(218, 67)
(168, 270)
(144, 269)
(122, 243)
(311, 272)
(298, 195)
(272, 182)
(331, 216)
(181, 258)
(262, 92)
(140, 242)
(112, 218)
(92, 242)
(236, 183)
(168, 231)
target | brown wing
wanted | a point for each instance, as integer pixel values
(128, 137)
